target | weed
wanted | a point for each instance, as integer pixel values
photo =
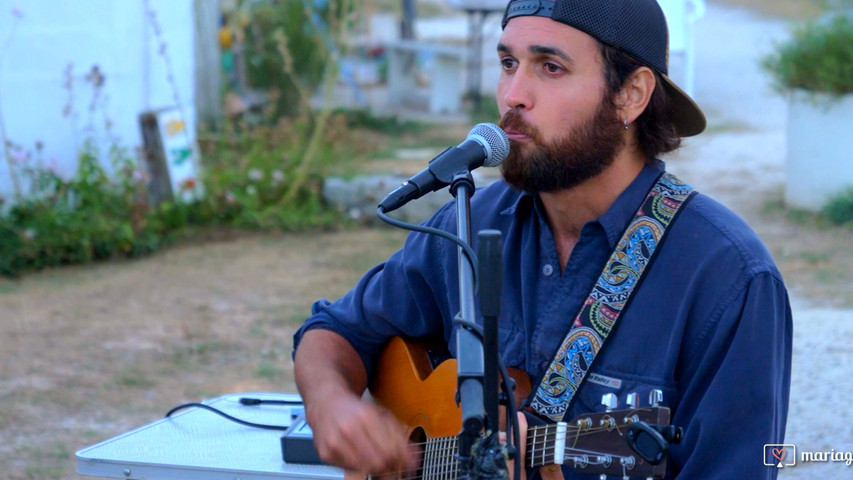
(49, 462)
(134, 377)
(839, 209)
(268, 370)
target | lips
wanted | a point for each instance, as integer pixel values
(516, 135)
(515, 128)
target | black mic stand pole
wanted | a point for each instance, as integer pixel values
(490, 275)
(469, 345)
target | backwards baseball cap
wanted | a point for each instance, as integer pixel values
(638, 27)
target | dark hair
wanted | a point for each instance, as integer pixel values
(656, 132)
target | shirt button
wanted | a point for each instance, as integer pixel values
(544, 365)
(548, 270)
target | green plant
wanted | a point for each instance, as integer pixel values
(288, 48)
(839, 209)
(88, 217)
(818, 58)
(250, 177)
(387, 124)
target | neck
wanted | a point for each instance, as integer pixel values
(569, 210)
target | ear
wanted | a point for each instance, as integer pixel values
(634, 96)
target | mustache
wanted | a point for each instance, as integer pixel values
(512, 120)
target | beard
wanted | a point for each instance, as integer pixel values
(568, 161)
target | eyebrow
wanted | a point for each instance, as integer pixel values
(540, 50)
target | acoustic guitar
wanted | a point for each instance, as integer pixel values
(417, 383)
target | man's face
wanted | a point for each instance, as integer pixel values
(563, 127)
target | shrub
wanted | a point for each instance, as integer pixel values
(78, 220)
(818, 58)
(839, 209)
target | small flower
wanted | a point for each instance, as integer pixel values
(29, 234)
(187, 185)
(140, 175)
(277, 176)
(256, 174)
(252, 190)
(19, 156)
(229, 198)
(355, 213)
(95, 77)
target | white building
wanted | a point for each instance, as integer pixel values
(52, 54)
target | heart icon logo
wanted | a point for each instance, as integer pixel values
(779, 453)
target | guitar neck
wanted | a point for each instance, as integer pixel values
(552, 444)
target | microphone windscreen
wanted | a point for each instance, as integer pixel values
(494, 140)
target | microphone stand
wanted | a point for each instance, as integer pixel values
(479, 457)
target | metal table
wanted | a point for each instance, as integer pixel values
(198, 444)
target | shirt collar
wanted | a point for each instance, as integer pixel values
(521, 203)
(616, 218)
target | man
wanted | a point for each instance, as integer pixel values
(587, 106)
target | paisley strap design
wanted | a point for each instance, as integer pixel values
(610, 296)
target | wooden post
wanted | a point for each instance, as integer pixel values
(159, 186)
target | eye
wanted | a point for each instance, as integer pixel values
(552, 68)
(508, 63)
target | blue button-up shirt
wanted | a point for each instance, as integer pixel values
(710, 325)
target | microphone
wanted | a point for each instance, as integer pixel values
(486, 144)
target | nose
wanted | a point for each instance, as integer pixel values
(516, 92)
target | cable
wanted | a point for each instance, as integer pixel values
(508, 385)
(252, 401)
(229, 417)
(466, 249)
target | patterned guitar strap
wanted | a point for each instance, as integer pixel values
(610, 295)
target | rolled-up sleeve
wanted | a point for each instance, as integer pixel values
(405, 296)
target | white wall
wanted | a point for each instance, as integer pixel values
(39, 39)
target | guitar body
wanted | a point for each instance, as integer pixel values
(416, 390)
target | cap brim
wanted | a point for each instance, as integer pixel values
(686, 114)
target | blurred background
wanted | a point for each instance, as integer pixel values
(180, 180)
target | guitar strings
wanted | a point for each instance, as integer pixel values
(439, 461)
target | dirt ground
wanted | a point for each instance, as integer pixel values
(91, 352)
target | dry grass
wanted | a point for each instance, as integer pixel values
(91, 352)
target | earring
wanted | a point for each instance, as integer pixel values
(625, 122)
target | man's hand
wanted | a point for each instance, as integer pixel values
(548, 472)
(360, 436)
(349, 431)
